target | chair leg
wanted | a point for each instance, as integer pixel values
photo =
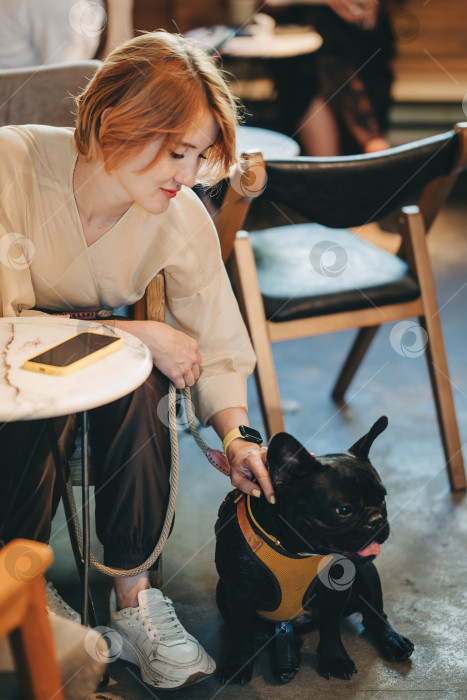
(33, 649)
(69, 507)
(435, 352)
(442, 393)
(251, 304)
(357, 353)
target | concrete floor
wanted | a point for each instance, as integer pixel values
(422, 566)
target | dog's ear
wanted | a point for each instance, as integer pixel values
(362, 447)
(288, 459)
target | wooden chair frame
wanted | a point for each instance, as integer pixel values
(24, 618)
(413, 224)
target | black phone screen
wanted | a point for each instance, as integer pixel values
(74, 349)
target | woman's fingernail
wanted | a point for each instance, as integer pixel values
(272, 500)
(256, 493)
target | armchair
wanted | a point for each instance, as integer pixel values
(304, 279)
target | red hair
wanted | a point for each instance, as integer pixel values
(155, 86)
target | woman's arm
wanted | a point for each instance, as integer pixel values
(174, 353)
(177, 356)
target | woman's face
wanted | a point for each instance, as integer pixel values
(154, 188)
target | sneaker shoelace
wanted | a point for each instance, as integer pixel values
(56, 604)
(160, 621)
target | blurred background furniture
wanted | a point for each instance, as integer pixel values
(47, 657)
(303, 279)
(270, 143)
(43, 94)
(430, 66)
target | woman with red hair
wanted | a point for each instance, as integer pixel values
(103, 208)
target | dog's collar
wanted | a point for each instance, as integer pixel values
(273, 539)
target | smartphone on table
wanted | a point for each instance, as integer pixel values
(73, 353)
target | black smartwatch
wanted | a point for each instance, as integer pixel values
(246, 433)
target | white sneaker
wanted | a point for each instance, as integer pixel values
(57, 606)
(154, 639)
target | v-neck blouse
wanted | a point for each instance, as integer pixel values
(45, 261)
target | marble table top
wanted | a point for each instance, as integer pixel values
(271, 144)
(30, 395)
(273, 45)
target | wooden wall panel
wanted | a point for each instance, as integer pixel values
(181, 14)
(432, 51)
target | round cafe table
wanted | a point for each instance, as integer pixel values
(280, 42)
(272, 144)
(28, 395)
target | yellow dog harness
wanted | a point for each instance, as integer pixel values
(292, 573)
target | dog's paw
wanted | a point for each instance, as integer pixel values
(393, 646)
(238, 672)
(334, 661)
(286, 652)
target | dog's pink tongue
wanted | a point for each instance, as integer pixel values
(373, 549)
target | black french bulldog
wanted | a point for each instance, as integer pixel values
(332, 506)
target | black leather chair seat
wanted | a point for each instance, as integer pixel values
(310, 270)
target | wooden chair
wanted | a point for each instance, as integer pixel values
(43, 656)
(24, 618)
(288, 288)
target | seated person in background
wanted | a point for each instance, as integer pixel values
(35, 32)
(349, 78)
(109, 205)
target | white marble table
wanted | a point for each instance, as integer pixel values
(272, 144)
(26, 395)
(277, 44)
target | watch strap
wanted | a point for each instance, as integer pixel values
(232, 435)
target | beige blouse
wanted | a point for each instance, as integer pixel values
(46, 263)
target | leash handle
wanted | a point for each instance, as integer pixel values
(216, 457)
(218, 460)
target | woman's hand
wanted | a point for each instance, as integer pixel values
(363, 12)
(247, 461)
(174, 353)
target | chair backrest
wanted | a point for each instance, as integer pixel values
(246, 184)
(43, 94)
(350, 191)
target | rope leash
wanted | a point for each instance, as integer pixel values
(174, 469)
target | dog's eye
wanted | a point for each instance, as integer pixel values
(344, 510)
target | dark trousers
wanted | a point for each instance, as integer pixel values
(130, 451)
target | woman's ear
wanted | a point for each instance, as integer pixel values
(105, 114)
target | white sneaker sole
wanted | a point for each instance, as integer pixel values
(149, 675)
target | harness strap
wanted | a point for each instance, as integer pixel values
(292, 573)
(254, 541)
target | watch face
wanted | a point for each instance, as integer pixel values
(250, 434)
